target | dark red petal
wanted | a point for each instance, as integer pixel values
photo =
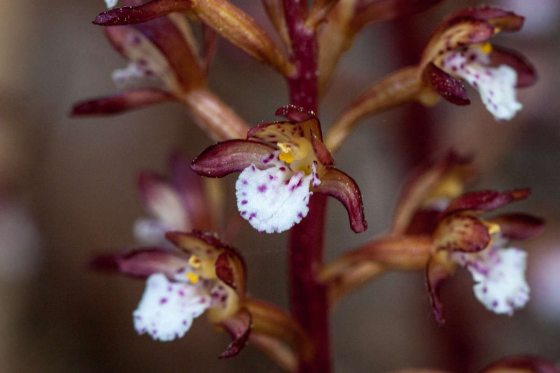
(503, 19)
(522, 364)
(141, 262)
(519, 226)
(485, 200)
(119, 103)
(439, 268)
(230, 156)
(526, 73)
(137, 14)
(294, 113)
(239, 328)
(190, 188)
(342, 187)
(450, 88)
(461, 233)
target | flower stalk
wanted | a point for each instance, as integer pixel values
(308, 297)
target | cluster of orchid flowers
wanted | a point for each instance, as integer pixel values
(437, 225)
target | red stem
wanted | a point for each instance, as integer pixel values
(308, 297)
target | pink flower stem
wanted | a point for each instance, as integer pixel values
(308, 297)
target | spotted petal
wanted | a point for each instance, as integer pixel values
(274, 199)
(167, 308)
(499, 276)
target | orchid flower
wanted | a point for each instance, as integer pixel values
(204, 275)
(180, 203)
(165, 64)
(438, 226)
(459, 50)
(282, 164)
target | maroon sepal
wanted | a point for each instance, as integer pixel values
(437, 271)
(503, 19)
(239, 328)
(120, 103)
(519, 226)
(485, 200)
(526, 73)
(224, 270)
(522, 364)
(141, 263)
(450, 88)
(142, 13)
(294, 113)
(342, 187)
(231, 156)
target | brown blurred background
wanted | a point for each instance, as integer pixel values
(67, 191)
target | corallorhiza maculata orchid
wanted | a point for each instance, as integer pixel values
(437, 226)
(201, 275)
(282, 164)
(459, 50)
(180, 203)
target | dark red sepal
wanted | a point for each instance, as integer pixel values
(128, 15)
(120, 103)
(526, 72)
(450, 88)
(294, 113)
(239, 328)
(342, 187)
(519, 226)
(224, 270)
(231, 156)
(437, 271)
(485, 200)
(141, 263)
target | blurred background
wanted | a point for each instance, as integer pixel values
(68, 191)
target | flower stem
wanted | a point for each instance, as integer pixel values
(308, 297)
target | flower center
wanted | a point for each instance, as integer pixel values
(297, 153)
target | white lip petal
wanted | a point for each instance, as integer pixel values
(499, 277)
(167, 309)
(274, 199)
(111, 3)
(496, 86)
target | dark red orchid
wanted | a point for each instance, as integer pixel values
(163, 65)
(202, 275)
(437, 226)
(180, 203)
(282, 164)
(459, 50)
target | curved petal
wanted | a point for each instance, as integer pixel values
(451, 35)
(450, 88)
(503, 19)
(295, 113)
(519, 226)
(231, 156)
(142, 13)
(342, 187)
(526, 72)
(461, 233)
(230, 268)
(439, 268)
(239, 328)
(141, 262)
(116, 104)
(485, 200)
